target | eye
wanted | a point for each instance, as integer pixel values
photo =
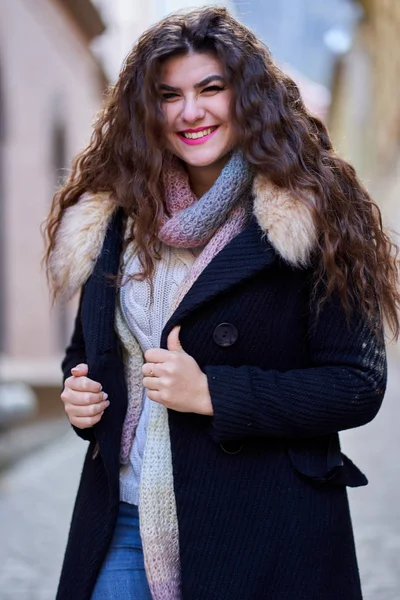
(168, 96)
(213, 88)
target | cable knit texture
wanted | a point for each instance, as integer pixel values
(140, 320)
(145, 316)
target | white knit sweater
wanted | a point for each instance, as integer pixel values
(146, 320)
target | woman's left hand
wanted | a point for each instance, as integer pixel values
(173, 378)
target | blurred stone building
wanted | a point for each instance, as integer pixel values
(365, 111)
(51, 86)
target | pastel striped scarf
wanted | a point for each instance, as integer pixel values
(211, 221)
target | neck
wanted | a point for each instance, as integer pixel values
(201, 179)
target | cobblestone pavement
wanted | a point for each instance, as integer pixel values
(36, 499)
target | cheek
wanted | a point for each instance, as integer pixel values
(224, 111)
(170, 114)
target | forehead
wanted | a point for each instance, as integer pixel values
(187, 70)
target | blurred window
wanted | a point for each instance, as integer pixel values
(59, 159)
(59, 152)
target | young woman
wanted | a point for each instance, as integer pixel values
(234, 278)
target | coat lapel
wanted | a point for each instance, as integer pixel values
(99, 324)
(248, 252)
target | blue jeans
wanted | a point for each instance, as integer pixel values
(122, 576)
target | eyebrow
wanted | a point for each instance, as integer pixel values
(206, 81)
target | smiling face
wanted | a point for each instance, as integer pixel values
(196, 102)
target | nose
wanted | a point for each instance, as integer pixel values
(192, 111)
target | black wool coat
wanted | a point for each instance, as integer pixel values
(261, 485)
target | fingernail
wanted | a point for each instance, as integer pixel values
(107, 403)
(105, 396)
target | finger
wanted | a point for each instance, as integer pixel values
(86, 422)
(81, 369)
(149, 370)
(91, 410)
(156, 355)
(173, 341)
(155, 395)
(83, 398)
(84, 384)
(152, 383)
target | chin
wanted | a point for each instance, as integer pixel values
(204, 159)
(199, 162)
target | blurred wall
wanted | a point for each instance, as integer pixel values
(51, 87)
(365, 111)
(128, 19)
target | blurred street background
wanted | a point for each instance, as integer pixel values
(57, 58)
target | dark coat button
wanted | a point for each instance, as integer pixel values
(225, 334)
(232, 447)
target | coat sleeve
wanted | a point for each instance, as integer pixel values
(75, 354)
(342, 388)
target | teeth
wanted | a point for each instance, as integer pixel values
(198, 134)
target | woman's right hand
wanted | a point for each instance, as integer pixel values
(84, 400)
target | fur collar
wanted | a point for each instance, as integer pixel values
(286, 221)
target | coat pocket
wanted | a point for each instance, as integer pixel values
(321, 460)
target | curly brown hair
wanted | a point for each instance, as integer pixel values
(355, 258)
